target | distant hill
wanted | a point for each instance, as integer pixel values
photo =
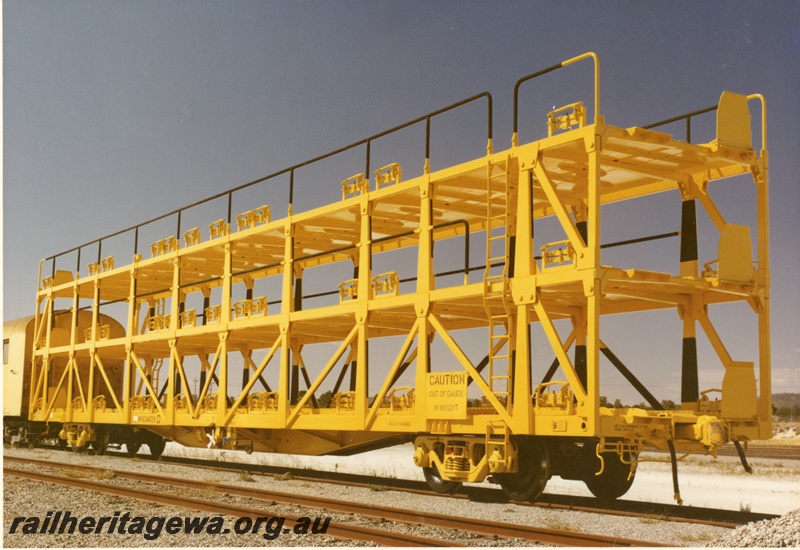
(786, 405)
(786, 399)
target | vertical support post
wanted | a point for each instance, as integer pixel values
(522, 411)
(690, 391)
(689, 238)
(579, 323)
(222, 389)
(425, 251)
(92, 349)
(353, 368)
(283, 375)
(133, 321)
(523, 267)
(361, 366)
(225, 317)
(583, 230)
(203, 372)
(43, 327)
(45, 380)
(73, 328)
(365, 251)
(298, 290)
(592, 288)
(690, 386)
(70, 386)
(285, 378)
(178, 386)
(206, 303)
(359, 371)
(763, 282)
(175, 303)
(225, 313)
(422, 297)
(246, 356)
(90, 390)
(423, 367)
(287, 299)
(172, 380)
(294, 379)
(581, 357)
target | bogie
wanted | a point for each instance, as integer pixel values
(435, 481)
(610, 478)
(528, 483)
(131, 448)
(156, 445)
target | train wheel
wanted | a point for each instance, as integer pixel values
(534, 471)
(613, 482)
(132, 448)
(435, 481)
(157, 446)
(100, 444)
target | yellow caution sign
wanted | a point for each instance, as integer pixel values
(447, 395)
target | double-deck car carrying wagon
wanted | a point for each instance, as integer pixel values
(202, 355)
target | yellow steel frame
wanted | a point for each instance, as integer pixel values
(568, 175)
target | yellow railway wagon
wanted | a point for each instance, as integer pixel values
(219, 346)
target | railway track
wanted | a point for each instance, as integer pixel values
(627, 508)
(383, 513)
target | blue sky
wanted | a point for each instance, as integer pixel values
(117, 112)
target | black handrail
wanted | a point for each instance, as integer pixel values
(520, 82)
(687, 117)
(549, 70)
(290, 170)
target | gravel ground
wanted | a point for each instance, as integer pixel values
(775, 533)
(27, 498)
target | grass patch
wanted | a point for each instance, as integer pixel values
(559, 525)
(207, 492)
(246, 476)
(87, 474)
(744, 507)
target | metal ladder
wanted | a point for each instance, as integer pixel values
(495, 281)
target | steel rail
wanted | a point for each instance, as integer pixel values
(350, 532)
(564, 502)
(660, 512)
(477, 526)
